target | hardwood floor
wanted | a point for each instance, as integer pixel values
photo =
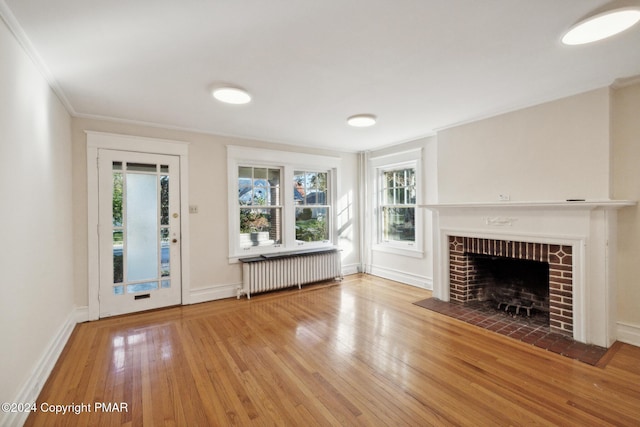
(352, 353)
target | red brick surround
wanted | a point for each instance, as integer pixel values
(464, 287)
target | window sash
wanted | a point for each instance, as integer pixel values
(398, 194)
(259, 206)
(398, 223)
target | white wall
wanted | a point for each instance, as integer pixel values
(626, 179)
(554, 151)
(36, 253)
(211, 274)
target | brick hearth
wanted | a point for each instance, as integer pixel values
(463, 277)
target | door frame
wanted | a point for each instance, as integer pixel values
(110, 141)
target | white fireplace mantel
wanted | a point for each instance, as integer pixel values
(589, 227)
(550, 204)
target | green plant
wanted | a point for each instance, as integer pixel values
(311, 230)
(253, 221)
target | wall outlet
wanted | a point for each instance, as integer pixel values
(193, 209)
(504, 197)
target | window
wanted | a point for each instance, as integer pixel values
(310, 191)
(396, 219)
(268, 217)
(260, 206)
(398, 207)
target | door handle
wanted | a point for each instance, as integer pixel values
(174, 241)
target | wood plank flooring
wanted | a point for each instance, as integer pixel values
(351, 353)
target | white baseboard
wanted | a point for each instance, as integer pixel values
(30, 391)
(402, 277)
(214, 292)
(82, 314)
(629, 333)
(350, 269)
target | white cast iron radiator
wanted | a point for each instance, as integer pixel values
(271, 272)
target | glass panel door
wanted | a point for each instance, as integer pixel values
(139, 200)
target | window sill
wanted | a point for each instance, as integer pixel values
(399, 250)
(274, 252)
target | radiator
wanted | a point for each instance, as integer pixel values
(262, 274)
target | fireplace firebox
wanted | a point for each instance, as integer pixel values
(525, 275)
(512, 284)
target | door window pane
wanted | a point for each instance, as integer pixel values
(142, 227)
(142, 287)
(165, 252)
(118, 247)
(117, 199)
(164, 200)
(142, 167)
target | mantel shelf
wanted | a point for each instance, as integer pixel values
(559, 204)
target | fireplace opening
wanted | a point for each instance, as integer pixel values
(516, 286)
(466, 285)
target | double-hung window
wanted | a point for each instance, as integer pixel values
(398, 205)
(397, 219)
(280, 201)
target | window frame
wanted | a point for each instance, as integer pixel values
(288, 163)
(383, 194)
(277, 207)
(326, 205)
(411, 159)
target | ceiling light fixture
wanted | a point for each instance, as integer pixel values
(602, 25)
(362, 120)
(231, 95)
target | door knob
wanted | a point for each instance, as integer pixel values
(175, 240)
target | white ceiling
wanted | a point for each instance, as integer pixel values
(419, 65)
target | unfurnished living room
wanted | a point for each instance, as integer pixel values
(410, 212)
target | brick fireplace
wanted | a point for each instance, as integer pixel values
(466, 285)
(576, 239)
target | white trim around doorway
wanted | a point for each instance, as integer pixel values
(110, 141)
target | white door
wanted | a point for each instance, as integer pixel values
(139, 231)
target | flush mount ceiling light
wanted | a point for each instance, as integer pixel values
(231, 95)
(362, 120)
(602, 25)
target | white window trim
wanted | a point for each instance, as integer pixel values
(378, 165)
(289, 162)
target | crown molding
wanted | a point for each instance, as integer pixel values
(625, 82)
(21, 36)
